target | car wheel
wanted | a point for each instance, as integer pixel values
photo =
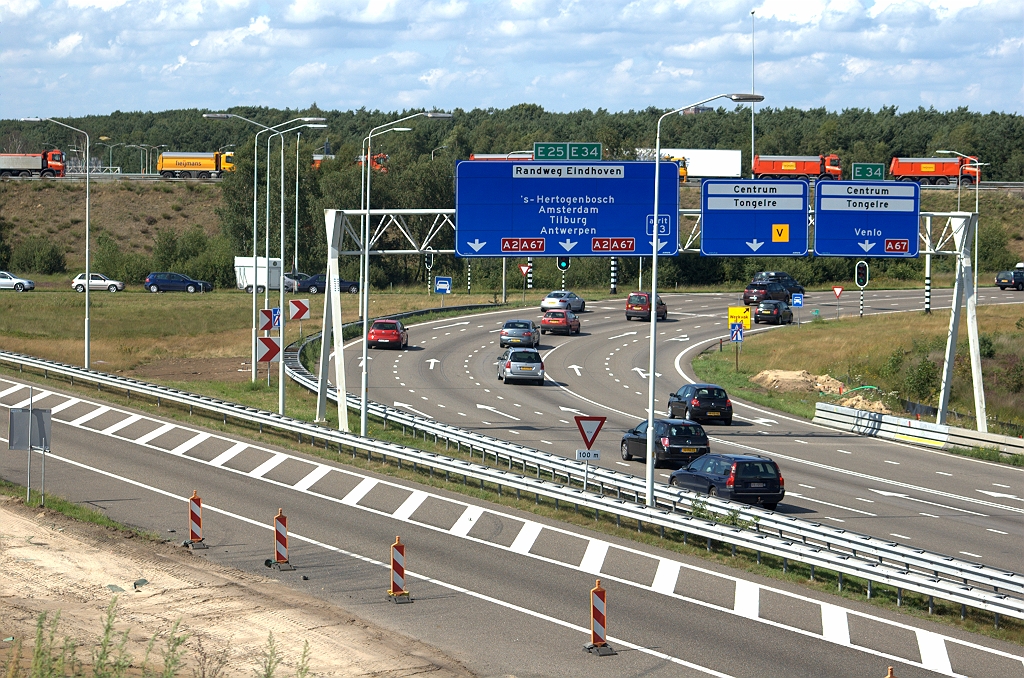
(1002, 288)
(248, 289)
(111, 288)
(626, 456)
(499, 376)
(583, 307)
(686, 415)
(18, 287)
(79, 288)
(191, 289)
(154, 289)
(770, 505)
(543, 331)
(353, 289)
(712, 491)
(1020, 287)
(727, 422)
(185, 175)
(313, 289)
(756, 321)
(540, 382)
(261, 289)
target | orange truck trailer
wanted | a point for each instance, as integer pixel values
(937, 171)
(797, 167)
(195, 165)
(48, 164)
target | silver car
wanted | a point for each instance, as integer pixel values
(9, 281)
(98, 281)
(519, 333)
(560, 299)
(521, 363)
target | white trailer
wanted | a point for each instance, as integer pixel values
(244, 274)
(702, 162)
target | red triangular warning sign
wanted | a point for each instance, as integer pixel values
(524, 268)
(589, 428)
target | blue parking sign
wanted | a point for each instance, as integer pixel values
(797, 300)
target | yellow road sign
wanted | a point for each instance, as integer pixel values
(740, 314)
(780, 232)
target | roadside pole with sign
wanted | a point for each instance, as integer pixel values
(861, 276)
(837, 290)
(29, 430)
(525, 270)
(797, 302)
(736, 337)
(589, 428)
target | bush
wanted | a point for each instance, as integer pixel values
(38, 255)
(1015, 377)
(922, 381)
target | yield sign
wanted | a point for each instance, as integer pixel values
(298, 309)
(524, 268)
(266, 319)
(589, 428)
(838, 290)
(268, 349)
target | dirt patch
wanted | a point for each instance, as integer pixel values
(859, 402)
(797, 380)
(49, 563)
(194, 369)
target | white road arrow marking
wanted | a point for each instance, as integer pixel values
(680, 338)
(567, 245)
(1001, 495)
(643, 375)
(754, 244)
(763, 421)
(569, 409)
(922, 501)
(432, 361)
(576, 368)
(620, 336)
(866, 245)
(476, 245)
(491, 409)
(410, 408)
(452, 325)
(361, 360)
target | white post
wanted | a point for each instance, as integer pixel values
(961, 234)
(284, 313)
(972, 334)
(332, 303)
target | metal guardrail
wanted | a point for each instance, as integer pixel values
(924, 433)
(970, 584)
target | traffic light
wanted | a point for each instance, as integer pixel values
(563, 263)
(862, 274)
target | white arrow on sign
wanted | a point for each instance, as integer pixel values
(568, 244)
(620, 336)
(661, 243)
(755, 244)
(432, 361)
(866, 245)
(577, 369)
(491, 409)
(409, 407)
(476, 245)
(569, 409)
(922, 501)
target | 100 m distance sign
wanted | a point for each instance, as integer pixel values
(564, 209)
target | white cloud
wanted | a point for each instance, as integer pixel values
(105, 5)
(66, 45)
(18, 8)
(309, 71)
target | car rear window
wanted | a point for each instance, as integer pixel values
(555, 314)
(525, 357)
(556, 295)
(517, 326)
(637, 299)
(710, 393)
(757, 286)
(384, 326)
(755, 469)
(682, 430)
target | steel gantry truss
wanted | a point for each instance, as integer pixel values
(382, 221)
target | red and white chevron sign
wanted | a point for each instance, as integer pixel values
(268, 349)
(266, 319)
(298, 309)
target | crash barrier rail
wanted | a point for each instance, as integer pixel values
(968, 584)
(939, 436)
(839, 543)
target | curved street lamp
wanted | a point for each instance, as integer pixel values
(651, 377)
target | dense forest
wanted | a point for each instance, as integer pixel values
(420, 170)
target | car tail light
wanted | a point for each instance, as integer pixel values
(664, 442)
(728, 403)
(504, 333)
(775, 311)
(782, 481)
(542, 366)
(695, 402)
(508, 365)
(527, 334)
(731, 480)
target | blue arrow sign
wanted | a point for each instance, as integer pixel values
(442, 285)
(580, 209)
(866, 219)
(743, 218)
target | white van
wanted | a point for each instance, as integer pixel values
(244, 274)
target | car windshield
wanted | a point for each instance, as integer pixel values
(517, 325)
(384, 326)
(637, 299)
(755, 469)
(525, 357)
(710, 393)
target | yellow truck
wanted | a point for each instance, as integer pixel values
(682, 166)
(195, 165)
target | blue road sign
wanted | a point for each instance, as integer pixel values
(736, 332)
(866, 218)
(578, 209)
(743, 218)
(442, 285)
(275, 315)
(796, 300)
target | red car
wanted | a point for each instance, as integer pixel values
(638, 305)
(387, 332)
(560, 321)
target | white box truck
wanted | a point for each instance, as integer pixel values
(244, 274)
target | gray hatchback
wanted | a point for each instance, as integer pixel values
(521, 363)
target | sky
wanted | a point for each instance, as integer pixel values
(77, 57)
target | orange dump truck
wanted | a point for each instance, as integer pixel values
(48, 164)
(797, 167)
(937, 171)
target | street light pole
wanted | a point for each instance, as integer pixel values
(752, 90)
(88, 272)
(295, 257)
(977, 188)
(652, 375)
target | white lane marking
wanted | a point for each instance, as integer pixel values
(934, 654)
(124, 423)
(496, 411)
(70, 402)
(153, 435)
(835, 519)
(619, 336)
(409, 506)
(102, 409)
(835, 626)
(434, 361)
(942, 473)
(359, 491)
(622, 463)
(467, 520)
(594, 556)
(747, 601)
(870, 501)
(269, 465)
(1001, 495)
(928, 515)
(576, 368)
(995, 484)
(411, 409)
(36, 397)
(189, 444)
(843, 451)
(809, 487)
(972, 555)
(892, 462)
(547, 442)
(666, 576)
(228, 454)
(14, 389)
(312, 478)
(802, 442)
(901, 495)
(997, 531)
(527, 536)
(898, 536)
(839, 506)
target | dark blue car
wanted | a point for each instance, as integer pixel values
(317, 284)
(175, 282)
(740, 477)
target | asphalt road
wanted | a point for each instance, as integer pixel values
(920, 497)
(500, 590)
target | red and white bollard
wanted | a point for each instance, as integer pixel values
(195, 522)
(280, 561)
(398, 592)
(598, 623)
